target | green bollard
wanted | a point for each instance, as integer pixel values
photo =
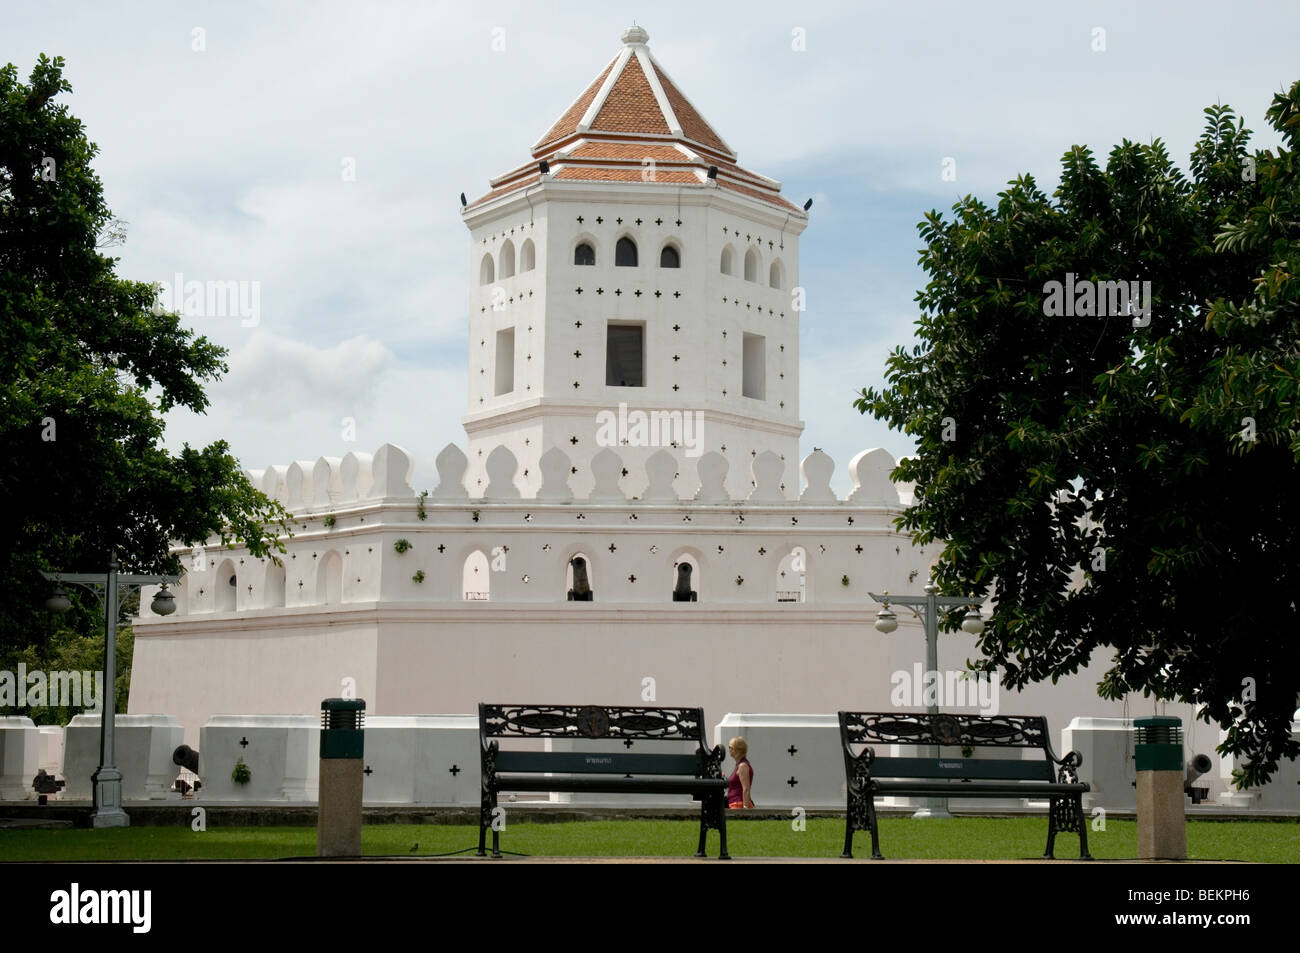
(1161, 817)
(342, 752)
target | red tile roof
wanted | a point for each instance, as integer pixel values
(693, 124)
(569, 121)
(629, 125)
(631, 105)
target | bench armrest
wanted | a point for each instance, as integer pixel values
(711, 761)
(1069, 766)
(1074, 760)
(864, 759)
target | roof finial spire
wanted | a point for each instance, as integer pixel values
(635, 36)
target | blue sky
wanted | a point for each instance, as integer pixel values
(225, 163)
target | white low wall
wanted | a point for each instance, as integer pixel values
(142, 745)
(784, 748)
(1282, 793)
(1107, 748)
(52, 749)
(20, 757)
(422, 759)
(282, 755)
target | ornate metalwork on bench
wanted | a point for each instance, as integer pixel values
(869, 776)
(906, 728)
(592, 721)
(634, 772)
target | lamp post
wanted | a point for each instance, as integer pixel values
(926, 608)
(107, 780)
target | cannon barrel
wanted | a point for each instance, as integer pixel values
(683, 592)
(186, 757)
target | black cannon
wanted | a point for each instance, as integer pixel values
(581, 591)
(186, 757)
(46, 784)
(684, 592)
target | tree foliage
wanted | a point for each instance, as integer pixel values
(86, 369)
(1116, 487)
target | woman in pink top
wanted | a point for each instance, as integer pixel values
(742, 778)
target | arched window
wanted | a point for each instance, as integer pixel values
(751, 265)
(625, 253)
(329, 580)
(274, 586)
(507, 267)
(475, 577)
(224, 588)
(728, 266)
(670, 257)
(527, 257)
(584, 254)
(776, 275)
(486, 271)
(792, 576)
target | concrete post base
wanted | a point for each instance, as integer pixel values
(1162, 821)
(338, 818)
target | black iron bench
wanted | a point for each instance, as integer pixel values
(626, 772)
(869, 776)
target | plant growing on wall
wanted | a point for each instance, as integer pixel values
(241, 774)
(402, 545)
(419, 576)
(329, 521)
(419, 505)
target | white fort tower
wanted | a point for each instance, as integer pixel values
(630, 262)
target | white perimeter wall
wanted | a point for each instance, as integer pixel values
(801, 658)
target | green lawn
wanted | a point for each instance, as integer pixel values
(957, 839)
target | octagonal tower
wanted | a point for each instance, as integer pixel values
(633, 287)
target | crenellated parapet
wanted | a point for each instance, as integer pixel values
(362, 537)
(306, 487)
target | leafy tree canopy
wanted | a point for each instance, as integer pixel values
(86, 369)
(1121, 481)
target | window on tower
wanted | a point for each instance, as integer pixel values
(584, 254)
(527, 256)
(505, 376)
(670, 258)
(728, 258)
(751, 265)
(754, 375)
(625, 355)
(486, 271)
(507, 267)
(625, 253)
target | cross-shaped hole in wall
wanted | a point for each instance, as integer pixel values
(243, 742)
(454, 770)
(369, 771)
(792, 750)
(793, 781)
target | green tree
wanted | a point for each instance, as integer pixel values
(1122, 483)
(87, 368)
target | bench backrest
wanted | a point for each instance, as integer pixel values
(594, 722)
(949, 730)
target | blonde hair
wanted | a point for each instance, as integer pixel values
(739, 744)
